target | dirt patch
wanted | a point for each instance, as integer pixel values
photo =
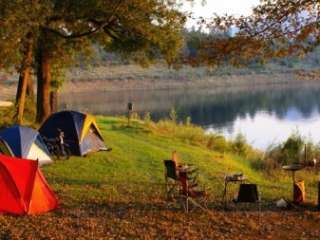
(157, 221)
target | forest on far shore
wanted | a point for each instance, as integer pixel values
(193, 39)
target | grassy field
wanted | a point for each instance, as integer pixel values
(120, 194)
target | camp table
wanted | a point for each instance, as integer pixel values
(293, 168)
(233, 178)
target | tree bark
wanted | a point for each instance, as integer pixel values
(43, 88)
(24, 78)
(30, 88)
(54, 101)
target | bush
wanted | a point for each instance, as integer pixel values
(239, 145)
(173, 115)
(217, 143)
(147, 118)
(292, 149)
(196, 135)
(188, 121)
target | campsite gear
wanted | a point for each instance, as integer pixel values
(23, 188)
(171, 169)
(191, 169)
(172, 173)
(299, 192)
(293, 168)
(5, 149)
(281, 203)
(26, 143)
(57, 148)
(237, 178)
(248, 193)
(189, 191)
(81, 132)
(171, 176)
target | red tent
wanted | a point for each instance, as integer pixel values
(23, 188)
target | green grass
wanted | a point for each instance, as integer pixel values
(133, 170)
(120, 194)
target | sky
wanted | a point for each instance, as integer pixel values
(234, 7)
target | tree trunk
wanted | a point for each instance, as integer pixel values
(24, 78)
(54, 101)
(43, 89)
(30, 88)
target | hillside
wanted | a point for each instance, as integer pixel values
(120, 194)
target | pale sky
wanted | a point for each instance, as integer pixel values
(234, 7)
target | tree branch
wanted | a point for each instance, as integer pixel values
(99, 25)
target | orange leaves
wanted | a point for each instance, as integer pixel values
(275, 29)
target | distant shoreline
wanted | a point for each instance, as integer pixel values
(220, 83)
(120, 81)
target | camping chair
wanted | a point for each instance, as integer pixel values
(171, 176)
(189, 192)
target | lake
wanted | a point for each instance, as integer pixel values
(264, 117)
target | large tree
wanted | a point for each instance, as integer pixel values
(19, 21)
(139, 28)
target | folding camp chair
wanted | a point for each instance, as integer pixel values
(171, 176)
(189, 192)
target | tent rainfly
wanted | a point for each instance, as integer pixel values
(26, 143)
(81, 132)
(23, 188)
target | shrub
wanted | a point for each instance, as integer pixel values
(173, 115)
(272, 159)
(187, 132)
(147, 118)
(217, 143)
(188, 121)
(292, 149)
(239, 145)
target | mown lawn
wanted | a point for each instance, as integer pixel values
(120, 194)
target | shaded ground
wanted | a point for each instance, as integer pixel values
(157, 220)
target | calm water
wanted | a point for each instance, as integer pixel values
(264, 117)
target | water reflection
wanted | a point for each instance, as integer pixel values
(264, 116)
